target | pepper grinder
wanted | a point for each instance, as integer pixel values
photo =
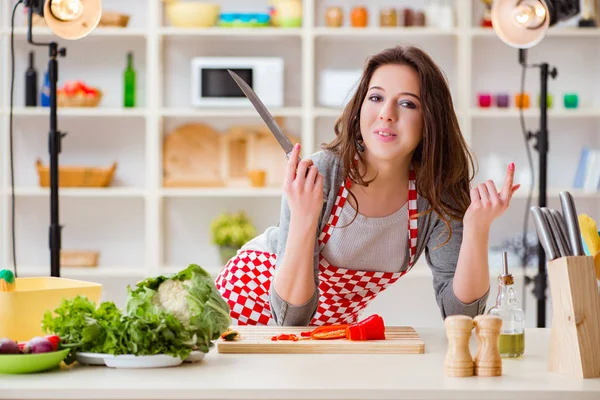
(488, 361)
(458, 362)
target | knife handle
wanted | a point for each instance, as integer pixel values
(312, 166)
(570, 213)
(556, 235)
(562, 227)
(543, 232)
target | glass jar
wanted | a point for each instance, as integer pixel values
(388, 17)
(511, 341)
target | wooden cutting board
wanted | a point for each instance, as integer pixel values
(257, 339)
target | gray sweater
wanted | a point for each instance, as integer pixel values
(441, 260)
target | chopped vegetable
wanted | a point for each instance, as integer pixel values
(371, 328)
(7, 281)
(8, 346)
(230, 335)
(285, 336)
(327, 332)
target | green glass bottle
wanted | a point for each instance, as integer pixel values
(129, 83)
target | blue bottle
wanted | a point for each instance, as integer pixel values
(45, 92)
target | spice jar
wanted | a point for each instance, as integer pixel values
(359, 17)
(388, 17)
(334, 17)
(419, 18)
(408, 17)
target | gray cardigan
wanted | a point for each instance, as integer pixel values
(442, 260)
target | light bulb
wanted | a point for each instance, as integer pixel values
(66, 10)
(530, 14)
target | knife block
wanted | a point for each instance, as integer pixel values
(575, 332)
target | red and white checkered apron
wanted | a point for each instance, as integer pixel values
(343, 293)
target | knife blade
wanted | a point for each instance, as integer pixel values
(543, 233)
(570, 213)
(562, 227)
(264, 113)
(555, 232)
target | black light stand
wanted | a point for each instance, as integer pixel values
(54, 138)
(540, 282)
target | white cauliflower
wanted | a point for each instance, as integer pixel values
(172, 296)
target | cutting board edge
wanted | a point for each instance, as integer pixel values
(258, 349)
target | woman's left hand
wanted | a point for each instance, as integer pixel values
(487, 203)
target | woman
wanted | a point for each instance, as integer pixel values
(396, 184)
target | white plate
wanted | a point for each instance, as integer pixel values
(132, 361)
(195, 356)
(92, 358)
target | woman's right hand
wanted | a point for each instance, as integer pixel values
(303, 187)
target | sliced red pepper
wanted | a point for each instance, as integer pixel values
(285, 336)
(371, 328)
(329, 332)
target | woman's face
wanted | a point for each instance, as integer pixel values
(391, 118)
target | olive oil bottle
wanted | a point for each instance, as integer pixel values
(511, 341)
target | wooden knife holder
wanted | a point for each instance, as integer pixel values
(575, 332)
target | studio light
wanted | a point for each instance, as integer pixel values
(69, 19)
(523, 24)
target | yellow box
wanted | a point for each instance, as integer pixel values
(22, 310)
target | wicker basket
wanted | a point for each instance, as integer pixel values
(77, 176)
(108, 19)
(78, 258)
(78, 100)
(113, 19)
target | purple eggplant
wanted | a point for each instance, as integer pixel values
(8, 346)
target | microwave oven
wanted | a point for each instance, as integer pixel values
(212, 86)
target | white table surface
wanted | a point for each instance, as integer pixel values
(327, 376)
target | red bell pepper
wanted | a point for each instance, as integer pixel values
(371, 328)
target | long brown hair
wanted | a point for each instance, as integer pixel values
(443, 165)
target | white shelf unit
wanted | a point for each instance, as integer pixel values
(143, 229)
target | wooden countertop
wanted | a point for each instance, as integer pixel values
(304, 376)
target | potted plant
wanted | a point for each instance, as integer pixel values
(230, 231)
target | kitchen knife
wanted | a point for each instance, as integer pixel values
(556, 235)
(570, 213)
(562, 227)
(284, 142)
(543, 233)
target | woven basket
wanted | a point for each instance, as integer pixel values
(78, 100)
(77, 176)
(79, 258)
(113, 19)
(108, 19)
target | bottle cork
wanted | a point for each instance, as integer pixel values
(488, 361)
(458, 362)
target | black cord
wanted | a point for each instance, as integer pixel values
(529, 197)
(12, 161)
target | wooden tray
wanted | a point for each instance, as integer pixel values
(257, 339)
(79, 258)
